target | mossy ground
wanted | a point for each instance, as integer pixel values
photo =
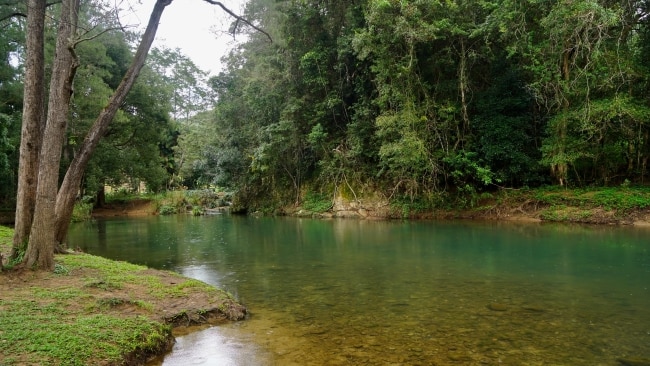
(94, 311)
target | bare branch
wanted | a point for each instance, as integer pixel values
(239, 18)
(12, 15)
(89, 38)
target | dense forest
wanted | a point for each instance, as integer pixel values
(425, 101)
(431, 100)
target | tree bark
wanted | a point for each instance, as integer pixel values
(40, 250)
(68, 191)
(32, 125)
(100, 198)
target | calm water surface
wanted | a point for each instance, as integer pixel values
(353, 292)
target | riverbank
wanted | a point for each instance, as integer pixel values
(598, 206)
(94, 311)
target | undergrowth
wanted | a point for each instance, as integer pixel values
(608, 198)
(316, 202)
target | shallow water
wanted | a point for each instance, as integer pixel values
(342, 292)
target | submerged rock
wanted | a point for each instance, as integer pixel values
(534, 308)
(634, 361)
(495, 306)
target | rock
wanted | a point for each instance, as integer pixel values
(457, 356)
(344, 214)
(495, 306)
(534, 308)
(634, 361)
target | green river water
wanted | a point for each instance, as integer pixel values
(355, 292)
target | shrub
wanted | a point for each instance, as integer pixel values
(82, 211)
(316, 202)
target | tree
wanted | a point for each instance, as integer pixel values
(53, 205)
(189, 91)
(32, 125)
(135, 148)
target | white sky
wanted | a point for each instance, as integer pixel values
(194, 26)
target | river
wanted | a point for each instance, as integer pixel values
(356, 292)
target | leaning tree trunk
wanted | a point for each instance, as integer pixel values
(68, 191)
(40, 250)
(31, 130)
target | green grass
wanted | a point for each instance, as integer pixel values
(6, 235)
(73, 316)
(48, 336)
(609, 198)
(116, 274)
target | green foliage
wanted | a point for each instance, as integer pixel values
(167, 210)
(6, 240)
(507, 130)
(170, 203)
(122, 195)
(5, 144)
(205, 198)
(424, 99)
(197, 211)
(139, 144)
(11, 88)
(614, 198)
(317, 202)
(467, 172)
(6, 243)
(61, 270)
(82, 211)
(407, 207)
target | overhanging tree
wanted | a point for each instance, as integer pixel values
(38, 235)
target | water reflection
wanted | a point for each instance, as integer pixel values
(364, 292)
(214, 347)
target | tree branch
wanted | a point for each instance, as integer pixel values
(239, 18)
(90, 38)
(16, 14)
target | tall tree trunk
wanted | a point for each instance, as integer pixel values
(100, 198)
(66, 197)
(463, 87)
(40, 250)
(32, 125)
(561, 168)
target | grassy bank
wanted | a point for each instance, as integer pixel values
(94, 311)
(604, 205)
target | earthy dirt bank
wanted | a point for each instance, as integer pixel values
(140, 207)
